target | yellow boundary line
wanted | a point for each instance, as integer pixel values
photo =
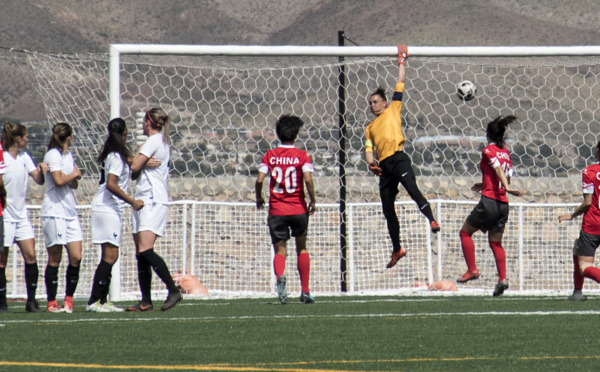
(280, 366)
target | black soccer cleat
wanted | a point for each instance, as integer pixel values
(32, 307)
(140, 307)
(172, 300)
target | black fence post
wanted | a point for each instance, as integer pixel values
(342, 163)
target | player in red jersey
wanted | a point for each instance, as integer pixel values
(589, 236)
(288, 167)
(491, 213)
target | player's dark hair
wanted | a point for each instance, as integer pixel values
(379, 92)
(115, 141)
(159, 120)
(597, 145)
(10, 133)
(60, 133)
(287, 128)
(496, 129)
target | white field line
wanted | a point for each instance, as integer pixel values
(331, 316)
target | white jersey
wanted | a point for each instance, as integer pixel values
(16, 179)
(104, 200)
(59, 201)
(151, 186)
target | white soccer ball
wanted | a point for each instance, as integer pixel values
(466, 90)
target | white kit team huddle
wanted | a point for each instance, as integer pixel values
(59, 218)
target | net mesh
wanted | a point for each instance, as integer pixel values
(224, 109)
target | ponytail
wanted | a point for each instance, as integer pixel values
(115, 141)
(159, 120)
(10, 133)
(60, 133)
(379, 92)
(496, 129)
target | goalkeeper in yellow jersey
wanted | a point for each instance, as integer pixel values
(384, 135)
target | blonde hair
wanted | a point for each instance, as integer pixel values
(159, 120)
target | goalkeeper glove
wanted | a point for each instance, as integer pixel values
(374, 168)
(402, 54)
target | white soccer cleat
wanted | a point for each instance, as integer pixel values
(97, 307)
(112, 308)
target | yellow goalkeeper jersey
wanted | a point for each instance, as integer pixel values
(385, 133)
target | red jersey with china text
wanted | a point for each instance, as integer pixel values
(286, 165)
(492, 157)
(591, 185)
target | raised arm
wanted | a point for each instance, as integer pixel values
(402, 58)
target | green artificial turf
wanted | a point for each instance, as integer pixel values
(335, 334)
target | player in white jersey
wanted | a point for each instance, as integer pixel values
(17, 228)
(58, 216)
(107, 208)
(149, 222)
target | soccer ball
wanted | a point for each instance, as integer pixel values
(466, 90)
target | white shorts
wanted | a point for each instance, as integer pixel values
(153, 217)
(106, 228)
(17, 231)
(60, 231)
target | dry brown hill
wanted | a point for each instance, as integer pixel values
(76, 26)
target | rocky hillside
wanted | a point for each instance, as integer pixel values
(77, 26)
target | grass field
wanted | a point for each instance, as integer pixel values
(453, 333)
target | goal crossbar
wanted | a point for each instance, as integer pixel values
(116, 50)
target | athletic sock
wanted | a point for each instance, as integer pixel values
(101, 282)
(592, 273)
(160, 268)
(104, 298)
(427, 212)
(2, 286)
(32, 274)
(51, 279)
(500, 257)
(72, 280)
(304, 270)
(279, 265)
(468, 248)
(577, 277)
(144, 279)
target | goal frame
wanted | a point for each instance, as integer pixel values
(116, 51)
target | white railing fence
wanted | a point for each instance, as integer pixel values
(227, 246)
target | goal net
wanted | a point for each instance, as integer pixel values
(224, 108)
(224, 102)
